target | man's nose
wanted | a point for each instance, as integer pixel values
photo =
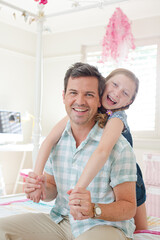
(80, 99)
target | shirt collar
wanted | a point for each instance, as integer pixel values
(95, 133)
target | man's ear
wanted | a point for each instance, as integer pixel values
(99, 105)
(63, 95)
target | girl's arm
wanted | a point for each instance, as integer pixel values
(112, 132)
(47, 145)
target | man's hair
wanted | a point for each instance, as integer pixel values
(80, 69)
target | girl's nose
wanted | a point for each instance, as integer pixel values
(117, 92)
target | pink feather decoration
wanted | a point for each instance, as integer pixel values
(118, 38)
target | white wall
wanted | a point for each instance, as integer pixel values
(17, 68)
(17, 76)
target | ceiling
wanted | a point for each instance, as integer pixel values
(66, 15)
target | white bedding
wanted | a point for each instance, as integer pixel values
(153, 232)
(18, 204)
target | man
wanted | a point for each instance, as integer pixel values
(104, 211)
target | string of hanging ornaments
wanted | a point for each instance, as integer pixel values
(118, 39)
(28, 15)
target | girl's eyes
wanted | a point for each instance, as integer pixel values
(125, 93)
(115, 84)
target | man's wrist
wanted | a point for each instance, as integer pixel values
(97, 212)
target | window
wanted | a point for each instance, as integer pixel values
(143, 61)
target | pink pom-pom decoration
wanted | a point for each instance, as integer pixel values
(118, 38)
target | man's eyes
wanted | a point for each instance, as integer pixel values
(73, 93)
(89, 95)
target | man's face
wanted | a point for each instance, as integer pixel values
(82, 100)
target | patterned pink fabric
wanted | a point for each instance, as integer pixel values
(147, 231)
(152, 169)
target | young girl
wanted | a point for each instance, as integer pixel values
(120, 91)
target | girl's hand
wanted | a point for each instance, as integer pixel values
(36, 195)
(32, 183)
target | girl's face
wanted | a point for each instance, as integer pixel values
(118, 92)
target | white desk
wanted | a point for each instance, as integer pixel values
(17, 148)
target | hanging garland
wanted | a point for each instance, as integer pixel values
(32, 19)
(41, 1)
(118, 38)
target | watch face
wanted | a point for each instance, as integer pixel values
(98, 211)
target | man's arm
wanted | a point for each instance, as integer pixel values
(123, 208)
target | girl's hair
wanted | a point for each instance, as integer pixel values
(102, 116)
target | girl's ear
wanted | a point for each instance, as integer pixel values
(129, 103)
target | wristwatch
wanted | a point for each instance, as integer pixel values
(97, 210)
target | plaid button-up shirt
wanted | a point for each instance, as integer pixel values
(66, 163)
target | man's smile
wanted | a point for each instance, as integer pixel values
(80, 110)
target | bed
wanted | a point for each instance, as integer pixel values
(153, 232)
(18, 204)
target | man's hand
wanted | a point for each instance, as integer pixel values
(80, 204)
(35, 187)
